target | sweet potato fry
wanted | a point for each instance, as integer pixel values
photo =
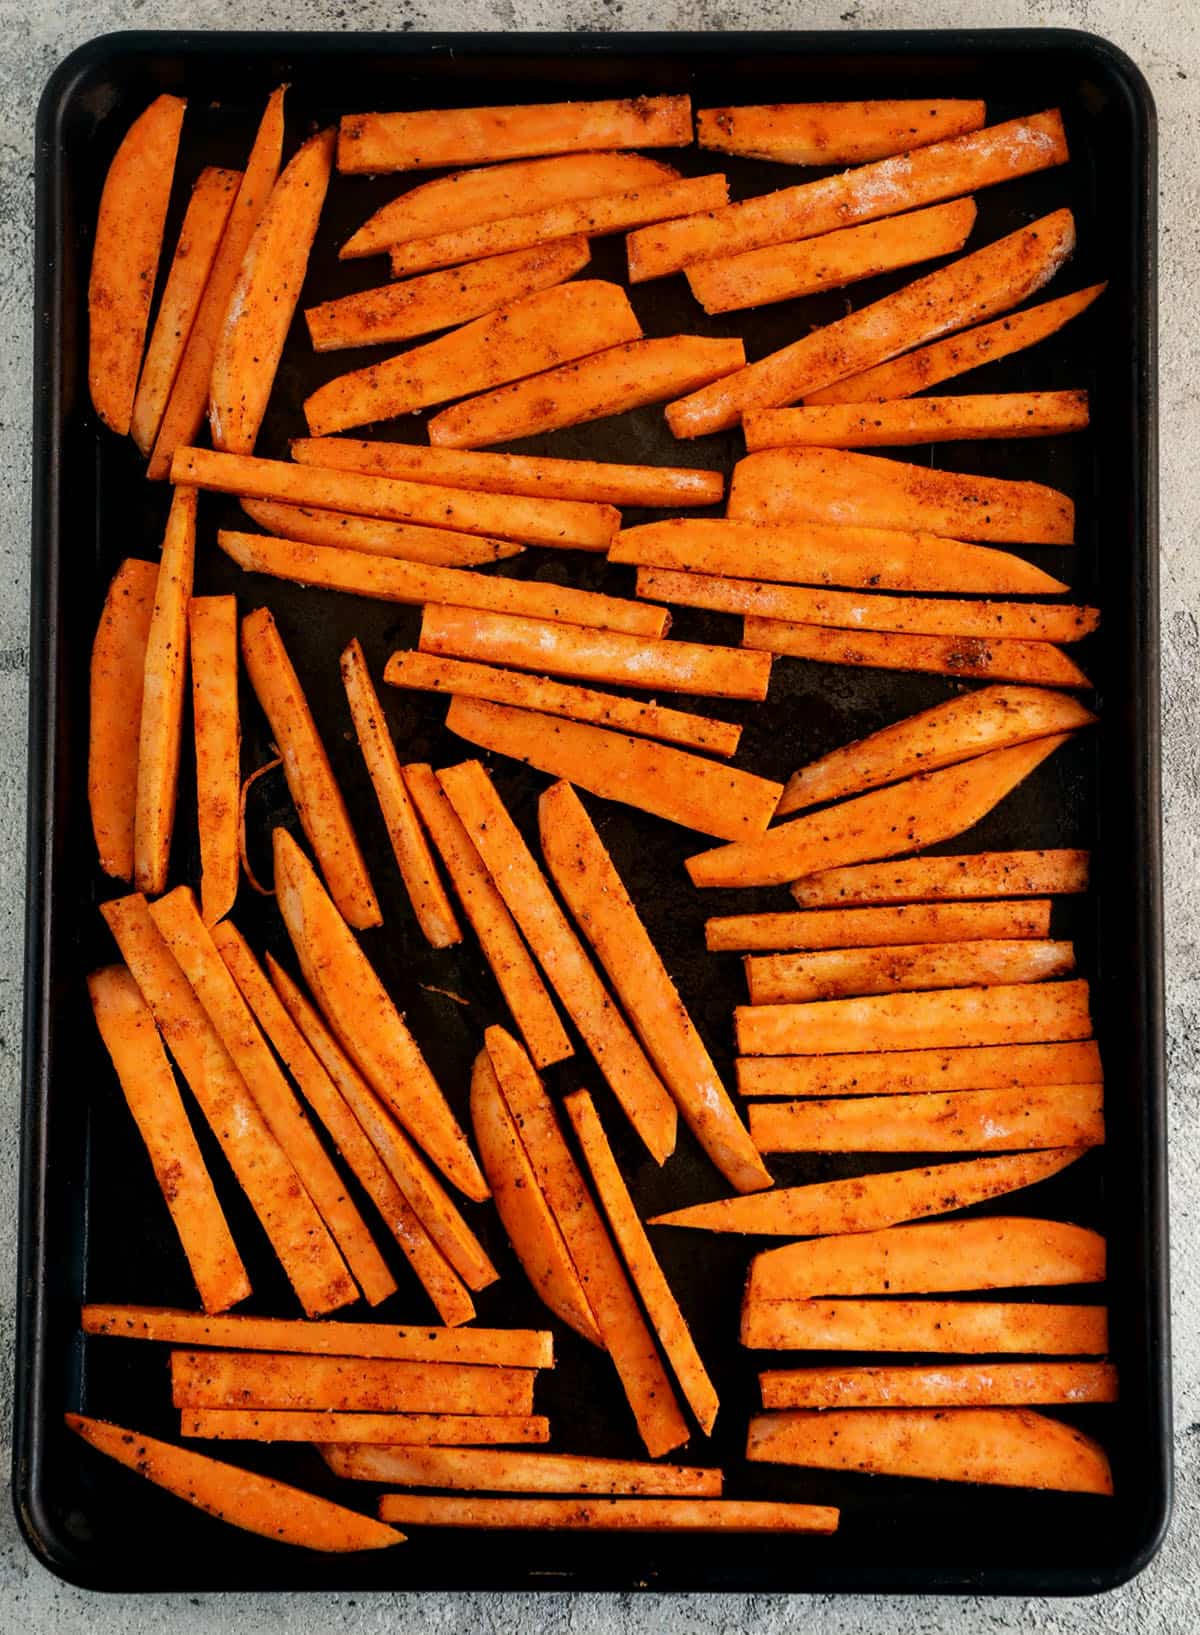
(901, 1072)
(1038, 662)
(257, 1504)
(867, 1203)
(602, 1515)
(511, 962)
(160, 728)
(437, 546)
(318, 800)
(213, 648)
(900, 818)
(427, 673)
(499, 1470)
(834, 133)
(414, 858)
(588, 480)
(629, 375)
(548, 645)
(669, 783)
(605, 912)
(959, 1385)
(840, 973)
(609, 1294)
(469, 197)
(924, 1325)
(372, 143)
(1008, 1447)
(195, 251)
(936, 1257)
(115, 712)
(132, 1041)
(1061, 1115)
(878, 927)
(533, 1232)
(783, 271)
(440, 300)
(828, 554)
(367, 1023)
(265, 1173)
(933, 879)
(974, 287)
(945, 1017)
(323, 1427)
(662, 1308)
(944, 360)
(128, 242)
(188, 401)
(267, 1379)
(943, 170)
(865, 490)
(533, 333)
(560, 953)
(925, 420)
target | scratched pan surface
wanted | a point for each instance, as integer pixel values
(93, 1223)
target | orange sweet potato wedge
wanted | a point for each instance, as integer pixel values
(951, 1326)
(340, 529)
(923, 420)
(503, 1470)
(324, 1427)
(267, 1379)
(604, 1515)
(213, 648)
(957, 1385)
(834, 133)
(932, 879)
(840, 973)
(118, 669)
(900, 1072)
(1039, 663)
(877, 928)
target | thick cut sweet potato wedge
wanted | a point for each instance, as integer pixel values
(511, 962)
(974, 287)
(436, 546)
(669, 783)
(533, 1232)
(629, 375)
(132, 1041)
(944, 360)
(959, 1385)
(426, 673)
(533, 333)
(160, 727)
(1036, 1013)
(603, 1515)
(827, 554)
(588, 480)
(925, 420)
(318, 800)
(903, 817)
(371, 143)
(943, 170)
(924, 1325)
(468, 197)
(840, 973)
(870, 1202)
(902, 1072)
(125, 252)
(426, 893)
(596, 896)
(195, 251)
(213, 648)
(878, 927)
(1007, 1447)
(257, 1504)
(324, 1427)
(662, 1308)
(783, 271)
(265, 1173)
(1038, 662)
(499, 1470)
(184, 413)
(118, 671)
(552, 647)
(367, 1023)
(440, 300)
(526, 894)
(933, 879)
(622, 1328)
(834, 133)
(267, 1379)
(591, 217)
(865, 490)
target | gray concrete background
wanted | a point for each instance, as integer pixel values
(1163, 37)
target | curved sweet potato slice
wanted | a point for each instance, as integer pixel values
(115, 711)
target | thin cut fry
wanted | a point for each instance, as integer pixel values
(611, 1515)
(414, 859)
(437, 546)
(318, 800)
(326, 1426)
(131, 1039)
(899, 1072)
(115, 712)
(834, 133)
(510, 961)
(605, 912)
(669, 783)
(213, 649)
(927, 420)
(499, 1470)
(257, 1504)
(924, 879)
(924, 1325)
(1037, 662)
(631, 374)
(959, 1385)
(266, 1379)
(1008, 1447)
(878, 927)
(840, 973)
(160, 729)
(128, 242)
